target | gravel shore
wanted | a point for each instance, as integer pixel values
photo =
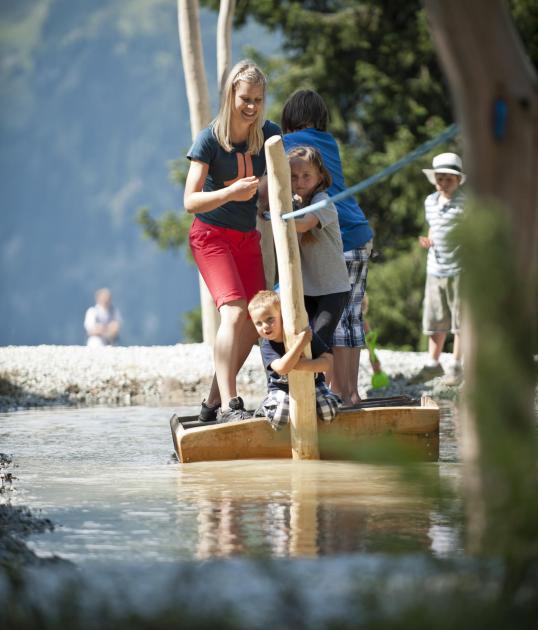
(36, 376)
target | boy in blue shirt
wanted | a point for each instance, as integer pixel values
(305, 118)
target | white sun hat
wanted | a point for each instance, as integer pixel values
(445, 163)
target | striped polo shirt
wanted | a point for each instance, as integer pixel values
(441, 216)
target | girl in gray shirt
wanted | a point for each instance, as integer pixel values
(325, 277)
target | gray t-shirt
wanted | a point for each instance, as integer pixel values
(322, 262)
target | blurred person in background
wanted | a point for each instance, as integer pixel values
(102, 321)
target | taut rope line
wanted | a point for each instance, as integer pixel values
(447, 134)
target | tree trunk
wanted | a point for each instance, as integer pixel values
(192, 56)
(224, 40)
(495, 93)
(303, 417)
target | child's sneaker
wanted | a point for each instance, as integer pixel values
(427, 373)
(454, 376)
(236, 411)
(208, 413)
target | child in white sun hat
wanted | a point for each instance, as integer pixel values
(441, 313)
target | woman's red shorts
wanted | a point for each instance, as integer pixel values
(230, 261)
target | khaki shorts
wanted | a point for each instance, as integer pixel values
(441, 305)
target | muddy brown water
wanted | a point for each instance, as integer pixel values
(108, 479)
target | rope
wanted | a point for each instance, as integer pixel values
(447, 134)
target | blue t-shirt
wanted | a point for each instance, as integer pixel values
(271, 350)
(224, 169)
(353, 224)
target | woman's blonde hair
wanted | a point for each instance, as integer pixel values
(249, 72)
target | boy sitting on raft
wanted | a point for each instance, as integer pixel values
(265, 312)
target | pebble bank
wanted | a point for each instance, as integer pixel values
(35, 376)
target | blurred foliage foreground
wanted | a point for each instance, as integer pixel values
(406, 592)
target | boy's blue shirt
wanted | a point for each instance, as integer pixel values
(225, 168)
(354, 226)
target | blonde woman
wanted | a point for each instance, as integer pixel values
(227, 160)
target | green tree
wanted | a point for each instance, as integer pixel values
(171, 229)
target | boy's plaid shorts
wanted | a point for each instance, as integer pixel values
(349, 332)
(276, 406)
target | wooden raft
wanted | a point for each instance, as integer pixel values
(255, 439)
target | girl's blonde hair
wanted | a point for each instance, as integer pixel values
(248, 71)
(312, 156)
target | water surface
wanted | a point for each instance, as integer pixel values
(108, 479)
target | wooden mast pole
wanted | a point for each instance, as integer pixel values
(303, 419)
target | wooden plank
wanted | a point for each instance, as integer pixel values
(414, 427)
(244, 439)
(256, 439)
(377, 420)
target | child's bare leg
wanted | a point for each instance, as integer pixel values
(436, 342)
(346, 373)
(338, 377)
(329, 374)
(353, 375)
(227, 345)
(214, 394)
(247, 340)
(457, 348)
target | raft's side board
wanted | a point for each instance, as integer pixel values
(255, 439)
(245, 439)
(378, 420)
(416, 427)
